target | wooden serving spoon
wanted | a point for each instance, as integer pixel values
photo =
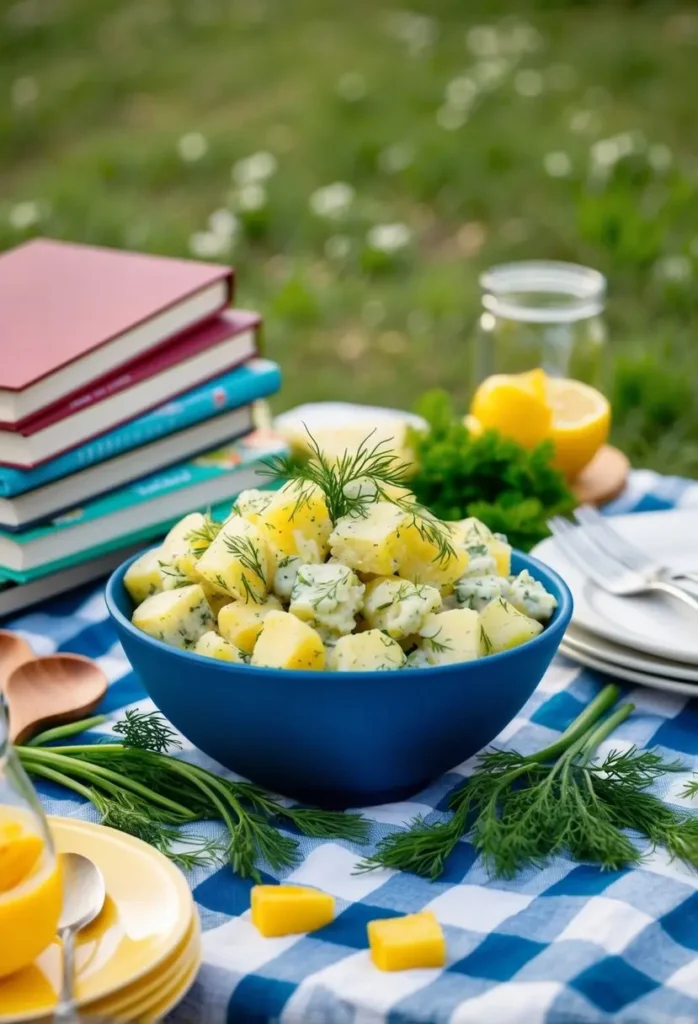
(50, 691)
(14, 651)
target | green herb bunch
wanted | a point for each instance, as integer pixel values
(139, 788)
(519, 811)
(512, 490)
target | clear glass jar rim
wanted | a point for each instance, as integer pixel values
(581, 290)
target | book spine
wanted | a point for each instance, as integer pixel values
(239, 387)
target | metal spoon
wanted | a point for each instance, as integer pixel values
(84, 893)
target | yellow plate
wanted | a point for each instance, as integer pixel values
(125, 1004)
(168, 1000)
(146, 917)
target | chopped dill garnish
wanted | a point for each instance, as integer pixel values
(203, 536)
(485, 641)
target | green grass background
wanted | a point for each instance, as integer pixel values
(97, 97)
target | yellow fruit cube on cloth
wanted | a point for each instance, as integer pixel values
(290, 909)
(400, 943)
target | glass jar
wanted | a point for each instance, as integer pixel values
(30, 887)
(542, 314)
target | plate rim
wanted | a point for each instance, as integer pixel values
(627, 658)
(629, 676)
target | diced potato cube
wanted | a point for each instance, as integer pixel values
(181, 549)
(285, 576)
(296, 522)
(370, 651)
(473, 530)
(211, 645)
(529, 596)
(241, 623)
(403, 943)
(476, 592)
(370, 543)
(238, 562)
(501, 552)
(503, 627)
(144, 578)
(250, 504)
(399, 607)
(215, 599)
(286, 642)
(177, 617)
(449, 637)
(422, 558)
(327, 597)
(290, 909)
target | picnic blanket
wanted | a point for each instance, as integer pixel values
(565, 944)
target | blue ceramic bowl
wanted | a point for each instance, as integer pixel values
(340, 740)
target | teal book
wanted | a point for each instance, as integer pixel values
(142, 511)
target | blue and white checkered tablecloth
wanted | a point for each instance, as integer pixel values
(565, 944)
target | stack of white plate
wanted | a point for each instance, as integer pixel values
(651, 639)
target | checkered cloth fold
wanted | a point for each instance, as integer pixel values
(565, 944)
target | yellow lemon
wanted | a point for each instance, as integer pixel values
(581, 422)
(19, 852)
(516, 405)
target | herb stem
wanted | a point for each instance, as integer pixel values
(63, 731)
(602, 731)
(579, 727)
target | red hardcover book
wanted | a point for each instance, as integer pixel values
(72, 314)
(214, 347)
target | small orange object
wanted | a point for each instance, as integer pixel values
(290, 909)
(401, 943)
(19, 852)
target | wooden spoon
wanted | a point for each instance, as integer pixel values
(14, 651)
(51, 691)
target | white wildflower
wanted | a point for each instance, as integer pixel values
(25, 215)
(332, 201)
(25, 91)
(483, 41)
(251, 197)
(352, 87)
(528, 82)
(607, 152)
(461, 91)
(659, 157)
(450, 118)
(192, 147)
(337, 247)
(675, 269)
(396, 158)
(557, 164)
(224, 223)
(206, 245)
(389, 238)
(254, 169)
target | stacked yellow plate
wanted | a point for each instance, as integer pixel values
(139, 958)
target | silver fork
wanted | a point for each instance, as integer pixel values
(605, 570)
(603, 534)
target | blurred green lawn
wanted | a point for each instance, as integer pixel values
(121, 123)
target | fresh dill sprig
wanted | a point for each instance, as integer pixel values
(435, 644)
(146, 731)
(175, 574)
(340, 482)
(201, 537)
(485, 641)
(519, 811)
(140, 789)
(249, 558)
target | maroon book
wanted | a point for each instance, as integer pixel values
(216, 346)
(72, 314)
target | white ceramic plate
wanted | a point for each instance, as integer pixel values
(656, 624)
(628, 674)
(579, 640)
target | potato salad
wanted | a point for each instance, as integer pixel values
(281, 584)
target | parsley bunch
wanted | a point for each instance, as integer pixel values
(512, 490)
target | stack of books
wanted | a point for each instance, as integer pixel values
(127, 387)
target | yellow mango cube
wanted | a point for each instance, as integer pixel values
(286, 642)
(241, 624)
(144, 577)
(238, 562)
(290, 909)
(403, 943)
(370, 543)
(296, 522)
(211, 645)
(420, 557)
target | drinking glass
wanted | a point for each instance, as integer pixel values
(542, 313)
(30, 885)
